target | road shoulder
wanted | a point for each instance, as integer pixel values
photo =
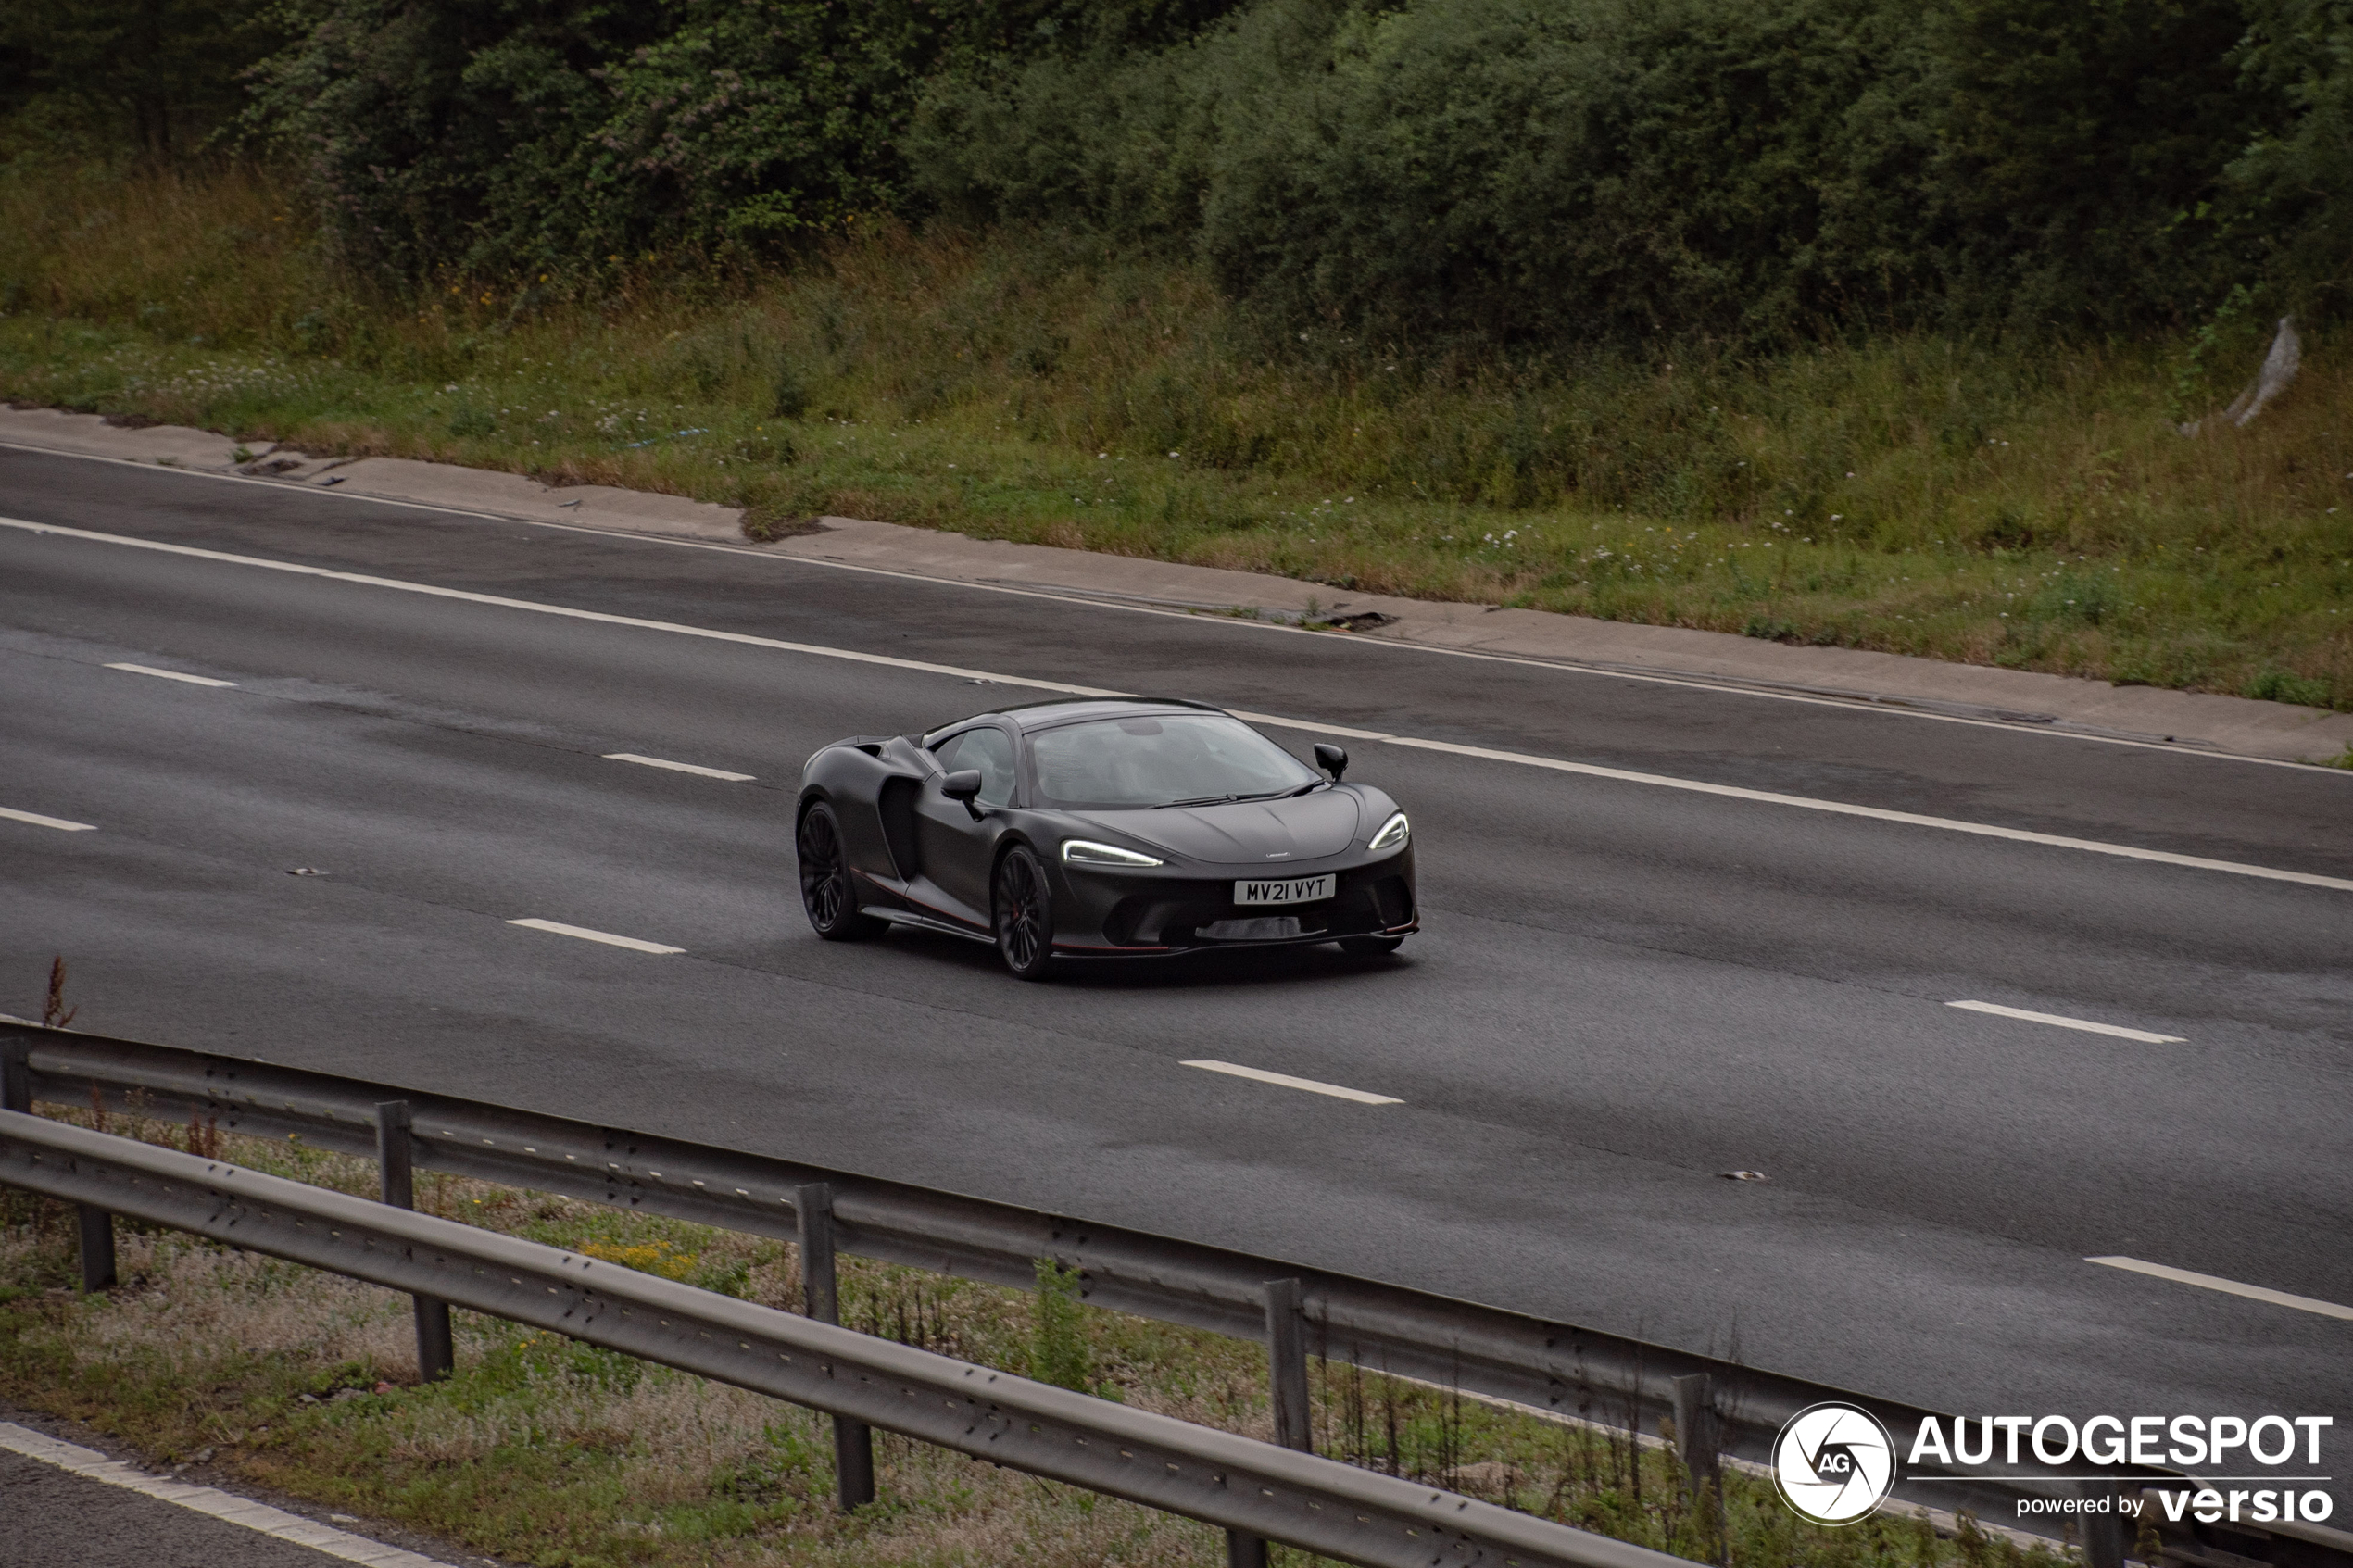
(74, 1505)
(2275, 731)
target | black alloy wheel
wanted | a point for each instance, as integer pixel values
(1370, 946)
(1024, 914)
(825, 890)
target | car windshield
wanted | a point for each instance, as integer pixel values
(1171, 759)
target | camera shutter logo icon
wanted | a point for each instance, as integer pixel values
(1833, 1462)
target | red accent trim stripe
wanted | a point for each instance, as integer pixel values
(933, 908)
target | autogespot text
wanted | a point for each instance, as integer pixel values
(2190, 1442)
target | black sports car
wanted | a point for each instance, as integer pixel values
(1087, 828)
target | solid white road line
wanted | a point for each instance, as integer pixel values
(2228, 1287)
(1604, 671)
(41, 822)
(94, 1466)
(2083, 1023)
(588, 935)
(172, 675)
(679, 766)
(1734, 792)
(602, 617)
(1488, 754)
(1284, 1080)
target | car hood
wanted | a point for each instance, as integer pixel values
(1246, 832)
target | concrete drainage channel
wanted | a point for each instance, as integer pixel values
(1256, 1491)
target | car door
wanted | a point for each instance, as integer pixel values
(956, 849)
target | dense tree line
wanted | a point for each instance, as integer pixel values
(1507, 169)
(1746, 168)
(152, 77)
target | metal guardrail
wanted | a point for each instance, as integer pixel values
(1319, 1504)
(1558, 1368)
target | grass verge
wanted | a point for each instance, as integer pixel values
(552, 1452)
(2034, 508)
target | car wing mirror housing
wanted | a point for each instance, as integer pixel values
(1333, 760)
(963, 784)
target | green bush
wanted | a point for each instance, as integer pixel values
(571, 136)
(152, 78)
(2279, 685)
(1432, 174)
(439, 136)
(1750, 170)
(2082, 150)
(2295, 180)
(1698, 168)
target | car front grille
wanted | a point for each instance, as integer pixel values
(1264, 928)
(1198, 914)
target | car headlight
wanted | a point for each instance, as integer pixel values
(1393, 834)
(1085, 852)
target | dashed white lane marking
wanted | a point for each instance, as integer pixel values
(631, 942)
(37, 819)
(2083, 1023)
(1622, 775)
(94, 1466)
(679, 766)
(172, 675)
(2228, 1287)
(1284, 1080)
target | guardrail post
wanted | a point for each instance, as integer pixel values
(97, 1248)
(1698, 1438)
(1286, 1365)
(16, 1075)
(2106, 1536)
(94, 1226)
(436, 1357)
(820, 1295)
(1287, 1396)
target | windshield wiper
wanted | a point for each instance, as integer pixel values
(1230, 800)
(1303, 789)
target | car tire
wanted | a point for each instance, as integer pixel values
(1370, 946)
(1024, 912)
(826, 894)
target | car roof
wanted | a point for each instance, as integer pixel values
(1070, 709)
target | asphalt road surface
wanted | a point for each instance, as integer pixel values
(59, 1520)
(1622, 990)
(65, 1505)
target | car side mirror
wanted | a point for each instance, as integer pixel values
(963, 784)
(1331, 758)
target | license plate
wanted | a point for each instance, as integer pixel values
(1298, 890)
